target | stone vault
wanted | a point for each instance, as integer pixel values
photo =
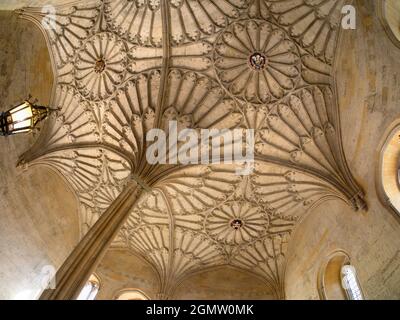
(123, 67)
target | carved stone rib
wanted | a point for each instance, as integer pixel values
(75, 271)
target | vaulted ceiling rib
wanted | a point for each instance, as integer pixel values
(123, 67)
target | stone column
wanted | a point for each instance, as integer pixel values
(78, 267)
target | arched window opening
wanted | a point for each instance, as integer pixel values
(90, 289)
(389, 13)
(337, 279)
(389, 168)
(131, 294)
(350, 283)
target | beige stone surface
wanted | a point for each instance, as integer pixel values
(39, 223)
(121, 270)
(247, 67)
(224, 283)
(391, 13)
(255, 65)
(388, 173)
(17, 4)
(368, 79)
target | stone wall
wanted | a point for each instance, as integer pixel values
(225, 283)
(17, 4)
(38, 213)
(39, 220)
(120, 270)
(368, 69)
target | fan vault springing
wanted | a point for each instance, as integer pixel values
(123, 67)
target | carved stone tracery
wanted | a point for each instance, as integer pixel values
(262, 64)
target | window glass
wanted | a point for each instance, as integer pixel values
(350, 283)
(90, 289)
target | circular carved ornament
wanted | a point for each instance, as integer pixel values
(256, 61)
(237, 222)
(100, 66)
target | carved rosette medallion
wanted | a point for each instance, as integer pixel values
(256, 61)
(100, 66)
(237, 222)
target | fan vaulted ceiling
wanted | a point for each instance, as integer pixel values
(123, 67)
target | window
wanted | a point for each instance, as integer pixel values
(389, 168)
(350, 283)
(337, 279)
(131, 294)
(389, 13)
(90, 289)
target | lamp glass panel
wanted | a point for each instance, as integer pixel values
(22, 114)
(24, 130)
(19, 107)
(22, 124)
